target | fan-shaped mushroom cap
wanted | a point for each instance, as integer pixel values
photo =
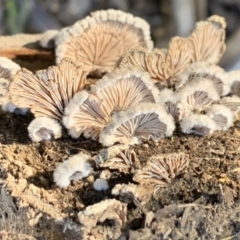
(208, 40)
(234, 81)
(205, 70)
(84, 114)
(43, 128)
(153, 62)
(162, 64)
(161, 168)
(168, 98)
(198, 124)
(143, 121)
(8, 68)
(222, 115)
(123, 88)
(178, 56)
(47, 92)
(76, 167)
(195, 97)
(98, 41)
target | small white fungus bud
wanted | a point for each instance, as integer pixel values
(100, 184)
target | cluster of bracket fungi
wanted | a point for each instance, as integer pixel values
(136, 92)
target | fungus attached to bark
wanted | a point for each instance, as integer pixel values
(201, 125)
(123, 88)
(222, 115)
(143, 121)
(160, 169)
(48, 91)
(196, 96)
(98, 41)
(85, 115)
(43, 128)
(75, 168)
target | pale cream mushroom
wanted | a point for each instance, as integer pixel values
(85, 115)
(234, 82)
(208, 40)
(196, 96)
(94, 219)
(98, 41)
(222, 115)
(74, 168)
(201, 125)
(168, 98)
(178, 57)
(43, 128)
(123, 88)
(161, 168)
(143, 121)
(47, 92)
(205, 70)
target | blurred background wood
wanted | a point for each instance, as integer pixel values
(166, 18)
